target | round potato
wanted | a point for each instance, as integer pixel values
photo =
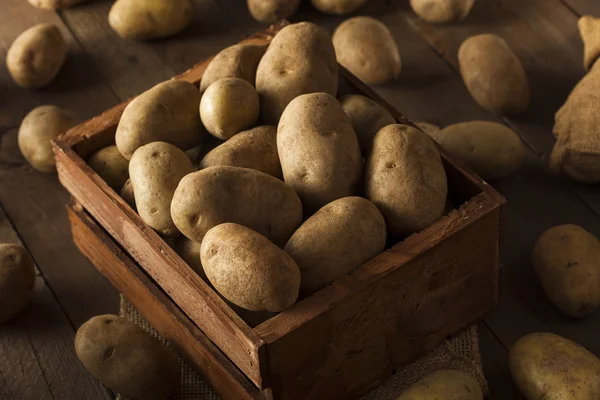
(271, 11)
(338, 7)
(155, 170)
(229, 106)
(35, 57)
(254, 149)
(248, 269)
(168, 112)
(442, 11)
(111, 166)
(150, 19)
(367, 118)
(490, 149)
(37, 130)
(17, 278)
(54, 4)
(405, 179)
(189, 251)
(339, 237)
(366, 48)
(566, 259)
(494, 75)
(127, 359)
(446, 384)
(300, 59)
(127, 194)
(547, 366)
(238, 61)
(216, 195)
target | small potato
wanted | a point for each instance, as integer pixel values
(271, 11)
(447, 384)
(238, 61)
(494, 75)
(35, 57)
(150, 19)
(155, 170)
(566, 259)
(37, 130)
(17, 278)
(490, 149)
(127, 359)
(338, 238)
(229, 106)
(248, 269)
(254, 149)
(405, 179)
(189, 251)
(547, 366)
(319, 152)
(366, 48)
(338, 7)
(54, 4)
(367, 118)
(127, 194)
(168, 112)
(111, 166)
(442, 11)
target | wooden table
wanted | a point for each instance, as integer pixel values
(37, 360)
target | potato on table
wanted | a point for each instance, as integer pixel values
(270, 11)
(446, 384)
(111, 166)
(238, 61)
(442, 11)
(338, 7)
(17, 278)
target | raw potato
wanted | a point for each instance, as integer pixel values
(566, 259)
(254, 149)
(54, 4)
(17, 278)
(127, 359)
(547, 366)
(216, 195)
(447, 384)
(189, 251)
(248, 269)
(111, 166)
(168, 112)
(155, 170)
(35, 57)
(300, 60)
(229, 106)
(442, 11)
(494, 75)
(366, 48)
(127, 194)
(367, 118)
(430, 129)
(318, 149)
(405, 179)
(490, 149)
(271, 11)
(238, 61)
(338, 7)
(150, 19)
(338, 238)
(37, 130)
(589, 29)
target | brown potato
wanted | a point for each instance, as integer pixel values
(430, 129)
(17, 278)
(338, 7)
(54, 4)
(589, 27)
(127, 359)
(271, 11)
(111, 166)
(189, 251)
(248, 269)
(238, 61)
(442, 11)
(127, 194)
(445, 384)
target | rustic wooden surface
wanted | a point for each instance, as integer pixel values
(37, 360)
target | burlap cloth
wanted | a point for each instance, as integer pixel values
(458, 352)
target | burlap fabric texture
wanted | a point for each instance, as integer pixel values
(458, 352)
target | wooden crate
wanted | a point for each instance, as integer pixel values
(337, 344)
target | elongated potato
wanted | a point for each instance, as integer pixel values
(189, 251)
(238, 61)
(319, 152)
(446, 384)
(248, 269)
(271, 11)
(300, 60)
(338, 7)
(216, 195)
(111, 166)
(339, 237)
(17, 278)
(54, 4)
(442, 11)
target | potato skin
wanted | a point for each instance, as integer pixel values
(248, 269)
(338, 7)
(17, 278)
(430, 129)
(366, 48)
(405, 179)
(271, 11)
(566, 259)
(54, 4)
(155, 170)
(189, 251)
(127, 359)
(318, 149)
(445, 384)
(168, 112)
(111, 166)
(127, 194)
(36, 56)
(39, 127)
(339, 237)
(216, 195)
(547, 366)
(300, 60)
(494, 75)
(442, 11)
(254, 149)
(237, 61)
